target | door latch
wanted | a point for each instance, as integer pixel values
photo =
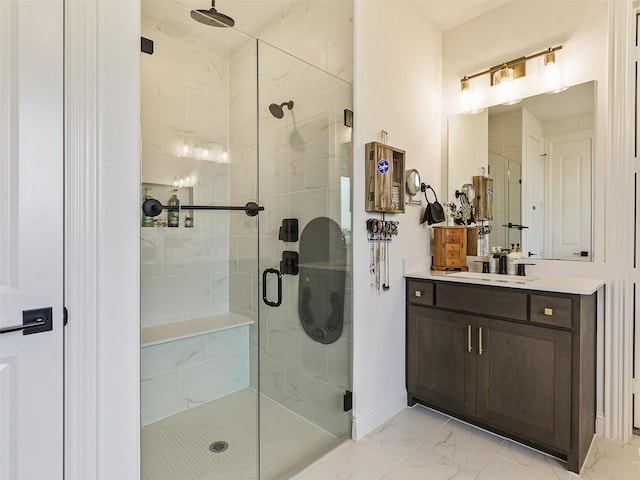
(33, 321)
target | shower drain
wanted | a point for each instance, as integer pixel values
(219, 446)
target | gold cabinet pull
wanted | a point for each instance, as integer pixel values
(469, 347)
(418, 293)
(480, 349)
(548, 311)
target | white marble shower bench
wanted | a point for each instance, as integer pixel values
(191, 327)
(187, 363)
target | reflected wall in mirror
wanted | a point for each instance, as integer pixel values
(539, 154)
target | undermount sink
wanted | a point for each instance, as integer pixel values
(493, 277)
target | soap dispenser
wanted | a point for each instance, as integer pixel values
(494, 259)
(502, 262)
(174, 210)
(512, 260)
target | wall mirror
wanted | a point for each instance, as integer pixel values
(539, 153)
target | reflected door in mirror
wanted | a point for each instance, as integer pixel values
(570, 189)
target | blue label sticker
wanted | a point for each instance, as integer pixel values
(383, 166)
(490, 192)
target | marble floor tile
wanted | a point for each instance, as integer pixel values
(464, 444)
(420, 443)
(546, 465)
(408, 429)
(608, 460)
(425, 464)
(362, 460)
(500, 469)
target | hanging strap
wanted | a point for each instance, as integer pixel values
(428, 187)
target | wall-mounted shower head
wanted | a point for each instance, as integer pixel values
(212, 17)
(277, 111)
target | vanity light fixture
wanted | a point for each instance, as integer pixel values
(505, 87)
(469, 99)
(551, 75)
(506, 72)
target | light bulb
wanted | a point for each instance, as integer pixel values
(469, 100)
(503, 81)
(551, 76)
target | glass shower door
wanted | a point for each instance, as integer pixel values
(305, 327)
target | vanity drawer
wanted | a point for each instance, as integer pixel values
(419, 293)
(453, 261)
(485, 301)
(551, 310)
(452, 247)
(452, 236)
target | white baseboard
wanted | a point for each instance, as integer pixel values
(600, 422)
(365, 423)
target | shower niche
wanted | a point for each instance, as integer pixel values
(163, 193)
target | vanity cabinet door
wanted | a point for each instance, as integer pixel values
(524, 381)
(441, 358)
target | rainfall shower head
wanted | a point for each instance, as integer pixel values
(277, 111)
(212, 17)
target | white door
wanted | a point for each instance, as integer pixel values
(31, 246)
(570, 191)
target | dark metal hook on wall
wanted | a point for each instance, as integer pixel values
(153, 208)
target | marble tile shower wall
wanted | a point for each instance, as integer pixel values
(185, 373)
(184, 271)
(302, 159)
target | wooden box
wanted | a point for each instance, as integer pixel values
(483, 201)
(384, 188)
(449, 248)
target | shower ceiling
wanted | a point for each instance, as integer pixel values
(251, 17)
(254, 16)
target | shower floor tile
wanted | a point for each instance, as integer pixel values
(177, 447)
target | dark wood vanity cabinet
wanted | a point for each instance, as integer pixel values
(518, 362)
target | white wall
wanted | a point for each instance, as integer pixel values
(470, 157)
(397, 89)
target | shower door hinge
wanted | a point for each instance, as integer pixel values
(348, 118)
(347, 402)
(146, 45)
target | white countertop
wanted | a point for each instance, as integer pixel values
(579, 286)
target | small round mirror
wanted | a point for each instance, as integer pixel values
(413, 182)
(469, 191)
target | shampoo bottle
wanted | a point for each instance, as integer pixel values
(147, 221)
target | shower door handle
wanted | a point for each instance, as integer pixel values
(265, 299)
